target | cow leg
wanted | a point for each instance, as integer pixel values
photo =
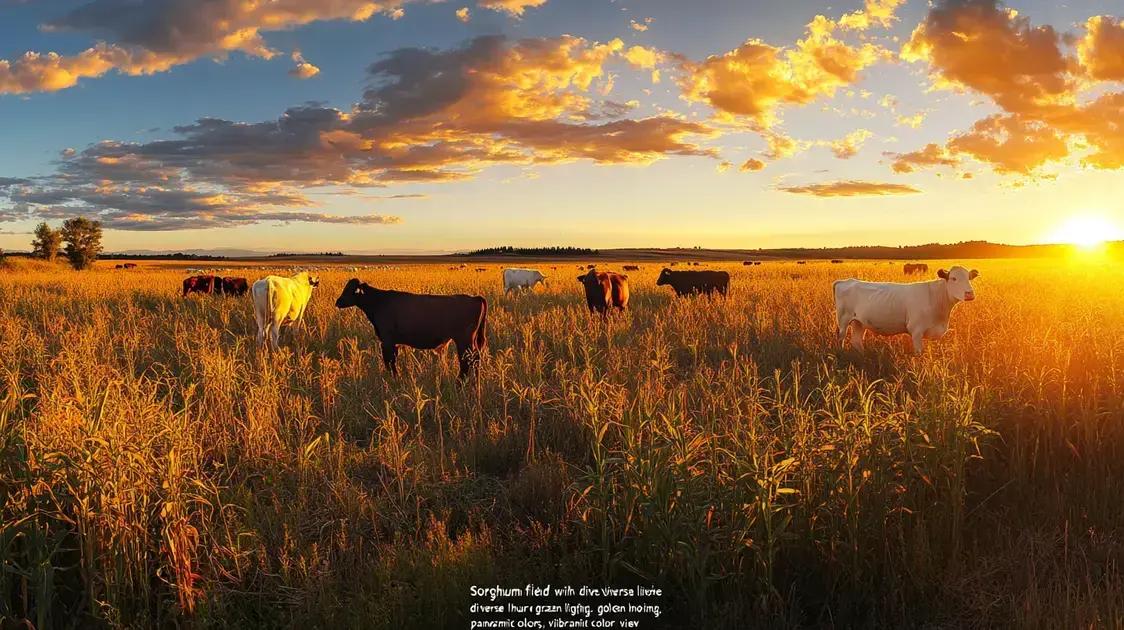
(857, 331)
(918, 341)
(390, 357)
(467, 357)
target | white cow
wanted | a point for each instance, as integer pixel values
(516, 278)
(279, 301)
(920, 309)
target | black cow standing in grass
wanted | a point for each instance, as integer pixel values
(421, 321)
(688, 282)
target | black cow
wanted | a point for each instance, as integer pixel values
(421, 321)
(688, 282)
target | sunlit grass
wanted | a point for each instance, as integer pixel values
(156, 469)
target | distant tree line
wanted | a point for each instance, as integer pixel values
(175, 256)
(508, 250)
(291, 254)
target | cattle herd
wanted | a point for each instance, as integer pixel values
(919, 309)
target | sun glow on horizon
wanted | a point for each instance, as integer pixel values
(1086, 231)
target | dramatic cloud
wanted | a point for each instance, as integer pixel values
(1042, 91)
(149, 36)
(428, 116)
(850, 188)
(979, 45)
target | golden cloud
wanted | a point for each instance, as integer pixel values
(302, 69)
(156, 35)
(850, 188)
(849, 145)
(931, 155)
(978, 45)
(752, 164)
(512, 7)
(755, 79)
(428, 116)
(1101, 51)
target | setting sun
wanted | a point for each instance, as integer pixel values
(1086, 231)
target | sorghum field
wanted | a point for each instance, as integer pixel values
(157, 470)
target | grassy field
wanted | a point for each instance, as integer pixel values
(156, 470)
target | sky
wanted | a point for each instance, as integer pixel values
(421, 126)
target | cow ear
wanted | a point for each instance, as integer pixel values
(625, 276)
(581, 278)
(973, 274)
(941, 273)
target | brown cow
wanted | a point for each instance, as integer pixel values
(632, 268)
(421, 321)
(202, 284)
(235, 286)
(605, 290)
(688, 282)
(911, 268)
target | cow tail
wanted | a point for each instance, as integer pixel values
(482, 329)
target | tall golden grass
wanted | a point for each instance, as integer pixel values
(156, 469)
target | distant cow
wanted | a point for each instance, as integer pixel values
(921, 309)
(631, 268)
(748, 263)
(481, 269)
(836, 261)
(279, 301)
(235, 286)
(421, 321)
(517, 278)
(202, 284)
(757, 262)
(605, 290)
(688, 282)
(800, 262)
(912, 268)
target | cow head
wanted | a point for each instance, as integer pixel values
(589, 277)
(351, 293)
(313, 281)
(665, 277)
(958, 283)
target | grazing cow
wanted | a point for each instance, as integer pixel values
(279, 301)
(912, 268)
(748, 263)
(688, 282)
(421, 321)
(673, 264)
(921, 309)
(836, 261)
(118, 266)
(201, 284)
(481, 269)
(516, 278)
(632, 268)
(605, 290)
(800, 262)
(235, 286)
(757, 262)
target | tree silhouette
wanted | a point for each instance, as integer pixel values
(47, 242)
(83, 241)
